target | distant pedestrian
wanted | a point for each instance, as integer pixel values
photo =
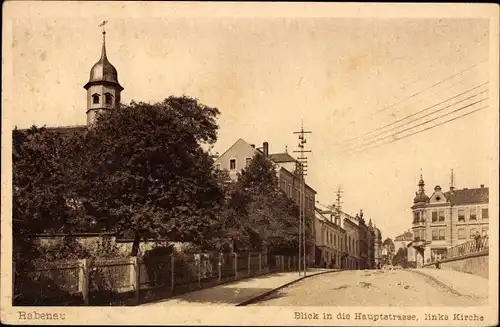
(477, 237)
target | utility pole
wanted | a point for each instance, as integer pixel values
(338, 205)
(338, 208)
(302, 172)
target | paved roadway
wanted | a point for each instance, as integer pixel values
(369, 288)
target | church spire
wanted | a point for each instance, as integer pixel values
(103, 88)
(103, 51)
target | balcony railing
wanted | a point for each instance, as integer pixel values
(464, 249)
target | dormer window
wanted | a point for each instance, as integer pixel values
(95, 99)
(108, 98)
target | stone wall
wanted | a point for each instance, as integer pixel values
(474, 263)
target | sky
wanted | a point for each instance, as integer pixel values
(341, 77)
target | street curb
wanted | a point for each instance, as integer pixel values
(437, 281)
(260, 296)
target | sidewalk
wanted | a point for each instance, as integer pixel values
(237, 292)
(463, 283)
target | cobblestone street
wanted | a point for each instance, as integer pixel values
(371, 288)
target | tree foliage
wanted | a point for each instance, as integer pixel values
(146, 174)
(401, 258)
(140, 172)
(257, 214)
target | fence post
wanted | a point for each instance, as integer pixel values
(260, 262)
(235, 265)
(249, 256)
(199, 269)
(220, 267)
(172, 273)
(137, 281)
(84, 280)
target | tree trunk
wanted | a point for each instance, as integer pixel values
(135, 245)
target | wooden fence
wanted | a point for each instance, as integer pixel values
(132, 281)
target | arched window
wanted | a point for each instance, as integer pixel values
(108, 98)
(95, 98)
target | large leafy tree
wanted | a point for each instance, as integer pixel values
(262, 215)
(144, 172)
(40, 182)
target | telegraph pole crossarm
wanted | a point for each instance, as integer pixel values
(301, 171)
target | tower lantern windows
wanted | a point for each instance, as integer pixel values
(108, 98)
(95, 99)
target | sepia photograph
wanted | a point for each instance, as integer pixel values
(250, 164)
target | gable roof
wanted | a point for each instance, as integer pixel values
(406, 236)
(468, 196)
(240, 140)
(281, 157)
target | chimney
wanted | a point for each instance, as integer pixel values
(482, 185)
(266, 149)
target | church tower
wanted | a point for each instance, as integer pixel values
(103, 88)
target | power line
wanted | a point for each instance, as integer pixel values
(426, 122)
(419, 92)
(427, 88)
(418, 112)
(425, 129)
(417, 119)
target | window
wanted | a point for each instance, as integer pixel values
(232, 164)
(289, 191)
(108, 98)
(461, 233)
(461, 214)
(434, 216)
(473, 214)
(416, 217)
(472, 232)
(95, 99)
(441, 234)
(441, 215)
(283, 186)
(217, 166)
(247, 162)
(484, 213)
(434, 234)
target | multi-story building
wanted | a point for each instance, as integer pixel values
(239, 156)
(370, 239)
(362, 239)
(352, 259)
(446, 219)
(329, 240)
(377, 246)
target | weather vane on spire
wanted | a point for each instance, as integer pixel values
(103, 24)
